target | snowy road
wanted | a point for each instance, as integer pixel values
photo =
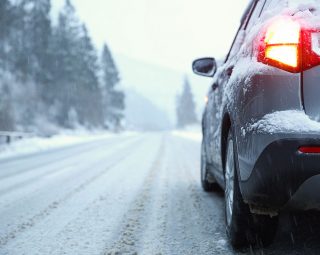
(123, 195)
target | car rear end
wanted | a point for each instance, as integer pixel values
(278, 109)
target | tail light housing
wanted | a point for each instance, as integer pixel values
(289, 45)
(310, 149)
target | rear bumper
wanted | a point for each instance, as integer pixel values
(284, 178)
(307, 197)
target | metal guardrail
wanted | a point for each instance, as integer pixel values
(9, 135)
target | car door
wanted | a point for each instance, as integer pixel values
(216, 111)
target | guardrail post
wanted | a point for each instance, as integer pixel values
(12, 136)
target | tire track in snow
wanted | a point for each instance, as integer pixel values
(17, 165)
(23, 195)
(193, 222)
(209, 208)
(175, 215)
(29, 223)
(86, 222)
(133, 223)
(155, 239)
(60, 165)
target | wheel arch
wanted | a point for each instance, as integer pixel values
(226, 126)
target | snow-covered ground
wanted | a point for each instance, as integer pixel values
(66, 138)
(191, 132)
(120, 195)
(126, 194)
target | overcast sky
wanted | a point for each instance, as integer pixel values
(155, 41)
(164, 32)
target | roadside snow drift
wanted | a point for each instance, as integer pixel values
(38, 144)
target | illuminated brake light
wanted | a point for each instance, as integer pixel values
(309, 149)
(290, 45)
(285, 54)
(284, 31)
(280, 47)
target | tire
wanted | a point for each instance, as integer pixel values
(243, 228)
(208, 182)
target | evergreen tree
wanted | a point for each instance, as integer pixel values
(185, 106)
(6, 114)
(28, 29)
(58, 92)
(75, 92)
(32, 32)
(90, 106)
(37, 33)
(51, 72)
(113, 98)
(65, 45)
(6, 20)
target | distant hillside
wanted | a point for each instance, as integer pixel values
(142, 114)
(160, 85)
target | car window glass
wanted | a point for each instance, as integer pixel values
(256, 14)
(240, 35)
(271, 4)
(237, 44)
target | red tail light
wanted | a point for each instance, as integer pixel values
(288, 46)
(310, 149)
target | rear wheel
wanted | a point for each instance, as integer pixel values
(243, 227)
(208, 182)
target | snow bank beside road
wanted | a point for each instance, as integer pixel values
(191, 132)
(38, 144)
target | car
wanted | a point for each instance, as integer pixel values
(261, 124)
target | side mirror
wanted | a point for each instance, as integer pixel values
(205, 67)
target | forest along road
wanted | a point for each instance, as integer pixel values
(121, 195)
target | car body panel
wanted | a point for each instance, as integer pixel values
(311, 92)
(267, 161)
(280, 171)
(265, 93)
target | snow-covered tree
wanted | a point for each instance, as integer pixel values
(50, 73)
(185, 106)
(6, 20)
(6, 114)
(30, 36)
(113, 98)
(90, 106)
(76, 85)
(25, 27)
(6, 24)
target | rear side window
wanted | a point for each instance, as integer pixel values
(237, 44)
(238, 40)
(272, 4)
(256, 13)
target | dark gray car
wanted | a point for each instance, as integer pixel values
(261, 129)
